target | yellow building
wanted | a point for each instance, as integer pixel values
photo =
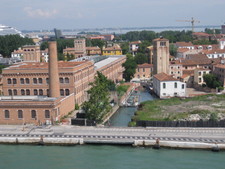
(115, 50)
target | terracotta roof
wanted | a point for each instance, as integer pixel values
(135, 42)
(145, 65)
(221, 66)
(214, 51)
(184, 44)
(160, 39)
(93, 48)
(197, 56)
(181, 50)
(187, 73)
(200, 34)
(206, 47)
(44, 65)
(175, 62)
(164, 77)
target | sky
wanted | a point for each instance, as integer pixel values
(75, 14)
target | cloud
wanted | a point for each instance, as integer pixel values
(37, 13)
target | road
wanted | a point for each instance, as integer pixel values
(92, 134)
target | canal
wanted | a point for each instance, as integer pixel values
(123, 116)
(106, 157)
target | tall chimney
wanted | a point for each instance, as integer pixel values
(53, 72)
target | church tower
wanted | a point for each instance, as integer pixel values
(161, 55)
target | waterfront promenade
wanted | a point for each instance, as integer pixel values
(205, 138)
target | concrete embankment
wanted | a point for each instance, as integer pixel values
(47, 141)
(181, 145)
(135, 143)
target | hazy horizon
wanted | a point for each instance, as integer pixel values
(90, 14)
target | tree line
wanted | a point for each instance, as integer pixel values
(9, 43)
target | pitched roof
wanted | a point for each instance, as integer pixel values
(181, 44)
(145, 65)
(181, 50)
(135, 42)
(197, 56)
(214, 51)
(164, 77)
(221, 66)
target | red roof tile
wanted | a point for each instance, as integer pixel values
(164, 77)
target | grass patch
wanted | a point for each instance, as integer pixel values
(180, 109)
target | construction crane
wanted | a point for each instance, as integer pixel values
(192, 22)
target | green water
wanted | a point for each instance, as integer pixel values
(106, 157)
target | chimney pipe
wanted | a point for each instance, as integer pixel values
(53, 72)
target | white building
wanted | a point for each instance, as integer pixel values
(133, 47)
(165, 86)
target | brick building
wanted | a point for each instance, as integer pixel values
(144, 72)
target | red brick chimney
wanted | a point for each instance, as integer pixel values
(54, 88)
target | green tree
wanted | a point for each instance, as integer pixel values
(130, 67)
(212, 81)
(125, 47)
(173, 50)
(9, 43)
(141, 58)
(98, 105)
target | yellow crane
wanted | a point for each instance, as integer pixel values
(193, 21)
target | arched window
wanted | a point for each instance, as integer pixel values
(35, 92)
(10, 92)
(47, 114)
(61, 92)
(175, 85)
(33, 114)
(61, 80)
(21, 81)
(7, 114)
(27, 81)
(14, 81)
(40, 92)
(27, 92)
(67, 80)
(67, 91)
(22, 92)
(164, 85)
(40, 80)
(20, 114)
(47, 80)
(9, 81)
(34, 80)
(14, 92)
(48, 92)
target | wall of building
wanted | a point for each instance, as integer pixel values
(57, 108)
(170, 90)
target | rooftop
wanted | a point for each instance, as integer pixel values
(145, 65)
(27, 98)
(107, 61)
(182, 44)
(164, 77)
(43, 65)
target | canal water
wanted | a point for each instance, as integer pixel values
(106, 157)
(124, 114)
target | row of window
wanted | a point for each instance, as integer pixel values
(175, 85)
(35, 80)
(33, 114)
(39, 92)
(142, 70)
